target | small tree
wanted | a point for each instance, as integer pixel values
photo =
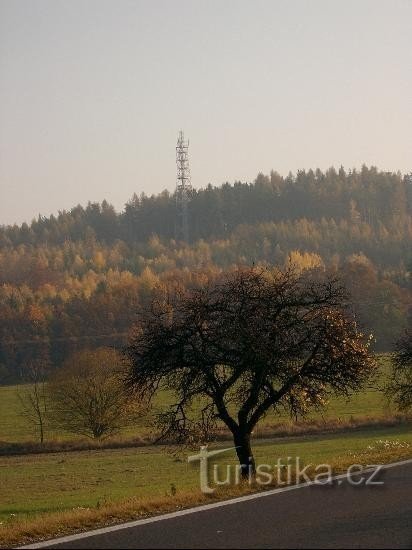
(33, 398)
(399, 388)
(252, 341)
(88, 396)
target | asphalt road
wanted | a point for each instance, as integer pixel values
(337, 516)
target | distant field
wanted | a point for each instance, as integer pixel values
(50, 482)
(370, 403)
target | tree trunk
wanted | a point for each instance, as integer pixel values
(244, 454)
(41, 431)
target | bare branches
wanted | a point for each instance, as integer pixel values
(253, 340)
(33, 398)
(88, 396)
(178, 426)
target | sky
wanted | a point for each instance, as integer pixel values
(93, 94)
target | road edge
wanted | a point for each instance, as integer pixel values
(187, 511)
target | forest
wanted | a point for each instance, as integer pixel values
(76, 280)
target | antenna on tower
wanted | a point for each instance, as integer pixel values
(183, 188)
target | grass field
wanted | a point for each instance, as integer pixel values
(34, 484)
(57, 492)
(370, 403)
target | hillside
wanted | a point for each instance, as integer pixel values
(77, 279)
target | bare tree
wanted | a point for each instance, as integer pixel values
(88, 396)
(254, 340)
(399, 388)
(33, 397)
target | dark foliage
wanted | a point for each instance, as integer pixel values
(400, 386)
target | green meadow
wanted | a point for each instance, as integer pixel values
(369, 403)
(32, 484)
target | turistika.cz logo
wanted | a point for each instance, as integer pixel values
(283, 472)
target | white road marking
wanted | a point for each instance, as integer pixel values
(204, 507)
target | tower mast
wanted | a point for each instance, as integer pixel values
(183, 188)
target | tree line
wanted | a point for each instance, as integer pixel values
(367, 195)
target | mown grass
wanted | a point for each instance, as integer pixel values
(370, 403)
(45, 495)
(61, 481)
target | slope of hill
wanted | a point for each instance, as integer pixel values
(77, 279)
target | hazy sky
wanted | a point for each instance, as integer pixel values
(94, 92)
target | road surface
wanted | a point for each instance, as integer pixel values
(336, 516)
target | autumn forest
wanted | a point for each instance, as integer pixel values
(76, 280)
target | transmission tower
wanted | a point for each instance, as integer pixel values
(183, 188)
